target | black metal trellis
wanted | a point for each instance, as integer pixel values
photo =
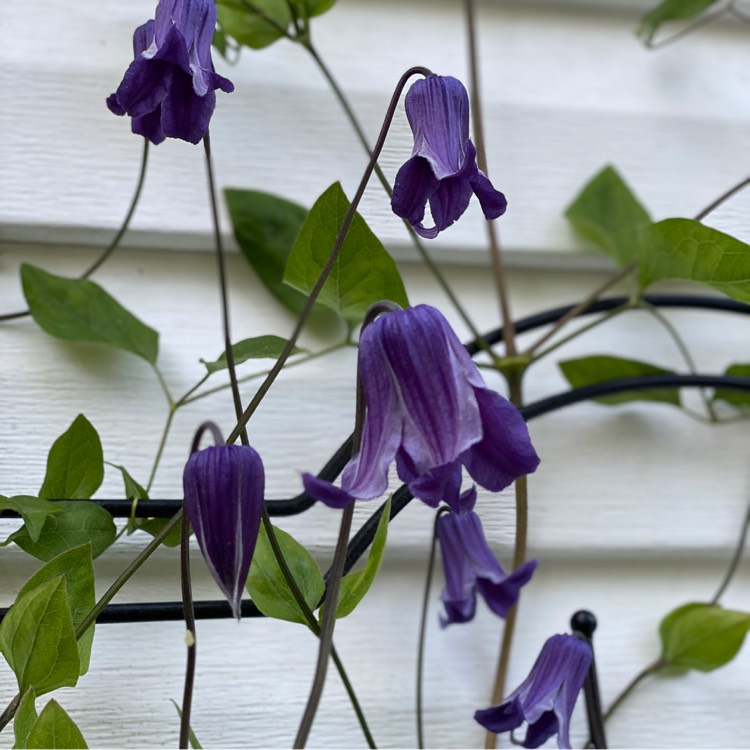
(156, 611)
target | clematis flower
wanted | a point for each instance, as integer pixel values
(546, 698)
(443, 166)
(169, 87)
(223, 488)
(470, 567)
(428, 408)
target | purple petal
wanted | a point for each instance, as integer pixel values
(542, 729)
(325, 492)
(505, 451)
(143, 36)
(503, 595)
(114, 106)
(438, 112)
(415, 184)
(223, 488)
(448, 203)
(144, 87)
(503, 718)
(173, 49)
(366, 475)
(149, 126)
(459, 594)
(440, 484)
(184, 114)
(492, 201)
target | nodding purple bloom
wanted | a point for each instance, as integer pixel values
(428, 408)
(223, 488)
(470, 567)
(169, 87)
(546, 698)
(443, 166)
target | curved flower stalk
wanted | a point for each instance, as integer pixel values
(429, 409)
(169, 88)
(224, 487)
(470, 567)
(546, 698)
(443, 167)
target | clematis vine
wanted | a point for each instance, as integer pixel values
(470, 567)
(224, 487)
(546, 698)
(169, 88)
(443, 167)
(429, 409)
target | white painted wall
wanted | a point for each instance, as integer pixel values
(634, 510)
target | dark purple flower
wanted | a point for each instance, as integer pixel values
(223, 488)
(443, 166)
(545, 699)
(169, 87)
(470, 567)
(428, 408)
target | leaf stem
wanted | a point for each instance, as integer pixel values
(723, 197)
(326, 627)
(649, 42)
(735, 561)
(332, 258)
(633, 684)
(418, 244)
(118, 236)
(190, 635)
(160, 449)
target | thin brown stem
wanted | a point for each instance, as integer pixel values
(723, 197)
(326, 628)
(190, 636)
(498, 270)
(332, 258)
(633, 684)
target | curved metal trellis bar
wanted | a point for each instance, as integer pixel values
(359, 543)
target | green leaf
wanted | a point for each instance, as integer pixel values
(25, 719)
(34, 512)
(75, 464)
(77, 570)
(740, 399)
(702, 636)
(265, 227)
(219, 42)
(266, 583)
(363, 273)
(54, 729)
(191, 734)
(310, 8)
(686, 249)
(601, 368)
(607, 213)
(80, 310)
(38, 640)
(80, 522)
(254, 29)
(259, 347)
(671, 10)
(355, 585)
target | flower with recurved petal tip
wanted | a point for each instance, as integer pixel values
(428, 408)
(224, 487)
(443, 167)
(546, 698)
(169, 88)
(470, 567)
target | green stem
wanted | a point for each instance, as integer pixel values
(313, 624)
(423, 628)
(160, 449)
(113, 245)
(633, 684)
(649, 42)
(187, 398)
(418, 244)
(326, 627)
(332, 258)
(734, 563)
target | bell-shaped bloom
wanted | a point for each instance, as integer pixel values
(443, 166)
(428, 408)
(169, 88)
(470, 567)
(546, 698)
(223, 488)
